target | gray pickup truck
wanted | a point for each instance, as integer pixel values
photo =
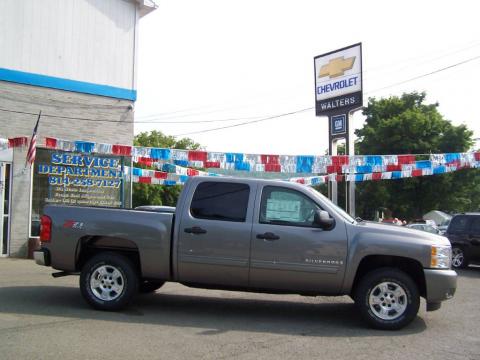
(249, 235)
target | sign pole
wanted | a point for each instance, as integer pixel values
(338, 91)
(333, 186)
(350, 185)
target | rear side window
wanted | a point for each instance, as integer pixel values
(220, 201)
(475, 227)
(458, 224)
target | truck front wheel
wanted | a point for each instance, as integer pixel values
(387, 298)
(459, 258)
(108, 281)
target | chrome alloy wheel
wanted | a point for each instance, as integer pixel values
(388, 300)
(107, 283)
(457, 257)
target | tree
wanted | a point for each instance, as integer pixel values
(147, 194)
(158, 139)
(406, 125)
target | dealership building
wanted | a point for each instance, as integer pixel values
(75, 61)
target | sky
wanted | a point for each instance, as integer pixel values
(214, 63)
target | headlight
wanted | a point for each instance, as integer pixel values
(441, 257)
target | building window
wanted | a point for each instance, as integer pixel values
(66, 178)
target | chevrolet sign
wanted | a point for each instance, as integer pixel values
(338, 80)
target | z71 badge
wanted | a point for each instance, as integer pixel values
(72, 224)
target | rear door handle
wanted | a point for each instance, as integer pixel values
(268, 236)
(195, 230)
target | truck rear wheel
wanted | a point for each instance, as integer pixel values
(387, 298)
(108, 281)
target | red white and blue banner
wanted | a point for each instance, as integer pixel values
(325, 167)
(179, 177)
(306, 164)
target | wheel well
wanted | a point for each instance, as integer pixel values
(92, 245)
(411, 267)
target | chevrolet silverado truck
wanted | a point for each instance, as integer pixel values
(249, 235)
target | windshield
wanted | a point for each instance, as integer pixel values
(337, 208)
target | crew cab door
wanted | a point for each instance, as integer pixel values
(214, 233)
(474, 237)
(289, 252)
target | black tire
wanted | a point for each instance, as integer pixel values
(459, 257)
(116, 278)
(147, 287)
(397, 311)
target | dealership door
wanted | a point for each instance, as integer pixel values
(4, 206)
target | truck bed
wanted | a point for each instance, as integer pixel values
(75, 228)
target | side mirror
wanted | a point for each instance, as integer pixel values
(323, 220)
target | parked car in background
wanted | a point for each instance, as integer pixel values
(440, 218)
(444, 226)
(425, 227)
(464, 235)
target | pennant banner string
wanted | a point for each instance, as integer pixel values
(299, 164)
(340, 167)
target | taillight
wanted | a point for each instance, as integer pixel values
(45, 228)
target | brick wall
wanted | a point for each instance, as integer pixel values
(118, 129)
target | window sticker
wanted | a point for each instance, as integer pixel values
(284, 210)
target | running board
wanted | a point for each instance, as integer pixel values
(62, 274)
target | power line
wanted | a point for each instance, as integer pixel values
(165, 115)
(310, 108)
(189, 113)
(412, 59)
(378, 69)
(425, 75)
(135, 122)
(173, 112)
(247, 122)
(196, 122)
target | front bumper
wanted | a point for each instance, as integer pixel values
(42, 257)
(441, 284)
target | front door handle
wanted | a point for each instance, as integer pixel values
(268, 236)
(195, 230)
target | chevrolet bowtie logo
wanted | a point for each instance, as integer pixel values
(336, 67)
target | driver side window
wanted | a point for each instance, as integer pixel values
(283, 206)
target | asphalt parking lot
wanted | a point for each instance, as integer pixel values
(42, 317)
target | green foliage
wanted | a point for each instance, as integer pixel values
(159, 140)
(406, 125)
(147, 194)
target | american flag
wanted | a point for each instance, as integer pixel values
(33, 144)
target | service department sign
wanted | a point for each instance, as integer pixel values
(338, 80)
(83, 180)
